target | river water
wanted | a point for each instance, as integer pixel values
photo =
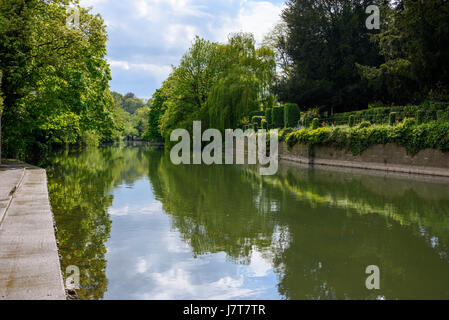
(138, 227)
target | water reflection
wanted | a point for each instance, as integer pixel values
(222, 232)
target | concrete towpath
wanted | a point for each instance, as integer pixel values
(29, 259)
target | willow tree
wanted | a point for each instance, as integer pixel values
(217, 84)
(244, 82)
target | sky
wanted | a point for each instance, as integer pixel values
(148, 258)
(147, 37)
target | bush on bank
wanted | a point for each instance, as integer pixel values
(277, 117)
(409, 134)
(292, 115)
(426, 112)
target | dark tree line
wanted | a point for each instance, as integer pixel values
(331, 59)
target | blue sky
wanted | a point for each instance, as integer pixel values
(147, 37)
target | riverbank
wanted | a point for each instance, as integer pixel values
(29, 260)
(388, 157)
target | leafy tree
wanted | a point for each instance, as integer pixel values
(132, 104)
(129, 95)
(244, 83)
(55, 79)
(324, 40)
(155, 113)
(413, 40)
(187, 88)
(218, 84)
(277, 41)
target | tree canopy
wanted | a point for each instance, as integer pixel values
(55, 78)
(218, 84)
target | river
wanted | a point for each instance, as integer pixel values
(139, 227)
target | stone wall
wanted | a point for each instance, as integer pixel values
(389, 157)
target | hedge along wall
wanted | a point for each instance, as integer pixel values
(268, 117)
(414, 137)
(426, 112)
(277, 117)
(292, 114)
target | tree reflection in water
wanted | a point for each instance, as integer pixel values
(319, 229)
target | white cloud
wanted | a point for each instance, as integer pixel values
(159, 72)
(259, 266)
(142, 266)
(179, 283)
(119, 211)
(146, 37)
(257, 17)
(154, 207)
(180, 35)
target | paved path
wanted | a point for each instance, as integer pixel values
(29, 260)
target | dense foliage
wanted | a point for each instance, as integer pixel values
(328, 58)
(324, 40)
(292, 114)
(277, 117)
(55, 78)
(133, 113)
(155, 113)
(413, 42)
(425, 112)
(218, 84)
(408, 133)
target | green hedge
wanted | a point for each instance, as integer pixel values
(269, 116)
(292, 115)
(392, 119)
(257, 113)
(264, 124)
(257, 121)
(425, 112)
(412, 136)
(283, 134)
(277, 117)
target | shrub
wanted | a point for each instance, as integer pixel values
(292, 115)
(407, 134)
(351, 120)
(257, 113)
(443, 115)
(277, 117)
(364, 124)
(257, 121)
(268, 116)
(392, 120)
(409, 122)
(308, 116)
(264, 124)
(284, 133)
(315, 123)
(420, 115)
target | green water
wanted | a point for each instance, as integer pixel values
(139, 227)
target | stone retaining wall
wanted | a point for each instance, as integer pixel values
(389, 157)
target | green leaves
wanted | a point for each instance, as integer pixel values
(56, 80)
(219, 84)
(357, 139)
